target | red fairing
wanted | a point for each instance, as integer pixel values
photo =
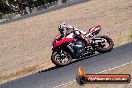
(58, 43)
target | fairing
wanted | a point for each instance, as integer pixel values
(64, 40)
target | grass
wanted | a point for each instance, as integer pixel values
(130, 36)
(36, 29)
(15, 75)
(23, 72)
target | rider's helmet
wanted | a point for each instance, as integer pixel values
(62, 26)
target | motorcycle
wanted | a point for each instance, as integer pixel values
(72, 47)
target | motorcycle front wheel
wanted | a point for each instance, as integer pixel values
(61, 59)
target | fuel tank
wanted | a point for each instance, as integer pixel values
(78, 47)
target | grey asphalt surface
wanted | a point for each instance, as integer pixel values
(56, 7)
(55, 76)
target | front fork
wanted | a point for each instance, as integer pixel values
(61, 53)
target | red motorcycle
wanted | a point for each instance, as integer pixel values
(73, 47)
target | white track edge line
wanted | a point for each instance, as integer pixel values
(45, 69)
(95, 73)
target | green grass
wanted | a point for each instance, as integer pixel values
(130, 36)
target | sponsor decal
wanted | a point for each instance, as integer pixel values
(83, 78)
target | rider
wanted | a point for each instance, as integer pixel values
(68, 29)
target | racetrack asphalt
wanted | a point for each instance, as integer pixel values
(55, 76)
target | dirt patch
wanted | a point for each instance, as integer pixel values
(26, 43)
(127, 69)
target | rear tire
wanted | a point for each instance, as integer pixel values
(60, 61)
(108, 49)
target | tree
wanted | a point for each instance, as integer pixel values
(7, 6)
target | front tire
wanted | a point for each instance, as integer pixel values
(106, 49)
(61, 60)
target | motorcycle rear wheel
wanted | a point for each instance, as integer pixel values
(106, 49)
